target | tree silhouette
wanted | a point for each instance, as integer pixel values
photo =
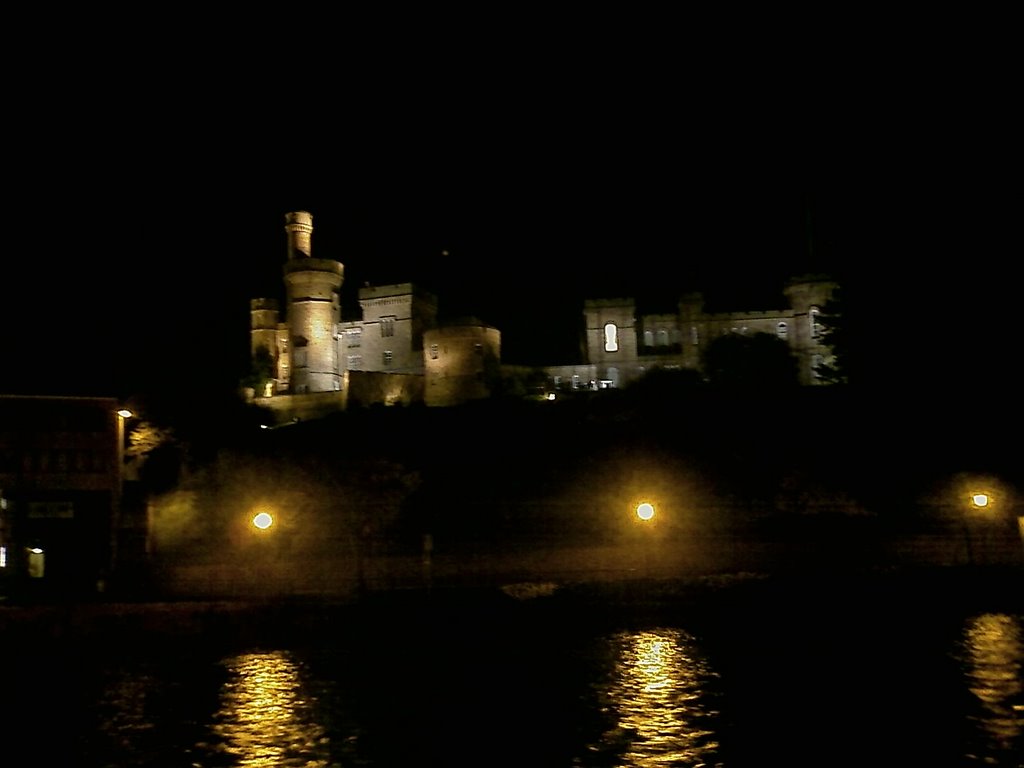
(756, 361)
(836, 335)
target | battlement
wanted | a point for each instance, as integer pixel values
(608, 303)
(385, 291)
(767, 314)
(313, 265)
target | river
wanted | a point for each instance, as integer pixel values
(743, 670)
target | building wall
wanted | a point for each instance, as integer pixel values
(462, 362)
(687, 334)
(60, 489)
(313, 287)
(395, 317)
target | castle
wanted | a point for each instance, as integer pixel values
(399, 353)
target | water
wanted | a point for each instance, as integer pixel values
(767, 676)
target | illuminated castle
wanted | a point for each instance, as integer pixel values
(399, 353)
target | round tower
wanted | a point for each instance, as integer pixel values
(299, 226)
(314, 308)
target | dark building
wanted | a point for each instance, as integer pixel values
(60, 492)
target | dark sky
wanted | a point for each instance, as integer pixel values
(515, 176)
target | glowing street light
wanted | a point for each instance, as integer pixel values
(645, 510)
(263, 520)
(978, 500)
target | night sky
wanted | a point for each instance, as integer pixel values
(514, 180)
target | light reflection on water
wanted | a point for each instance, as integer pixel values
(266, 718)
(993, 662)
(629, 699)
(657, 690)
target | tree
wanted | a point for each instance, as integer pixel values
(836, 335)
(754, 361)
(261, 371)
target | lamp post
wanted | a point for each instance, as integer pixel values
(978, 500)
(122, 415)
(645, 517)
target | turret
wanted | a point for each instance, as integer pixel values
(299, 226)
(314, 308)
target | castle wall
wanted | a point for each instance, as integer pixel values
(462, 363)
(307, 407)
(610, 331)
(366, 388)
(398, 336)
(393, 320)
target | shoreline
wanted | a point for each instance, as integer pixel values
(945, 589)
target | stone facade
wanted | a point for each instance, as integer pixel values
(463, 361)
(312, 350)
(622, 346)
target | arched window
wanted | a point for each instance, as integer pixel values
(611, 337)
(662, 337)
(648, 338)
(782, 331)
(815, 325)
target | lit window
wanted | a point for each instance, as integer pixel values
(3, 557)
(388, 357)
(815, 325)
(782, 330)
(433, 351)
(648, 338)
(662, 337)
(694, 336)
(611, 338)
(387, 326)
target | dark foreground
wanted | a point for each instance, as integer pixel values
(916, 667)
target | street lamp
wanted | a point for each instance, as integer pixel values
(979, 500)
(263, 520)
(122, 414)
(645, 510)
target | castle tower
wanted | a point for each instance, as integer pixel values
(611, 344)
(314, 308)
(263, 335)
(299, 226)
(807, 295)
